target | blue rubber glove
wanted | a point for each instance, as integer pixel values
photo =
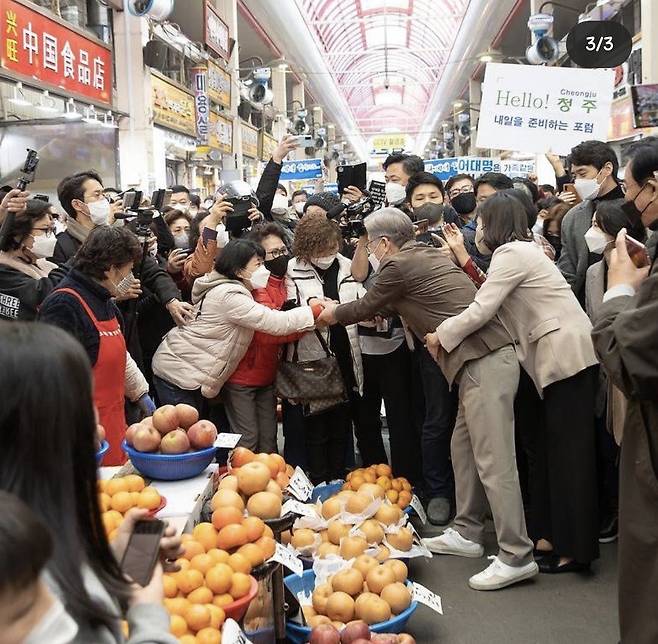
(146, 405)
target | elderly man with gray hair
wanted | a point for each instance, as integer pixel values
(425, 288)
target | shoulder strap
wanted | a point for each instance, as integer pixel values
(79, 297)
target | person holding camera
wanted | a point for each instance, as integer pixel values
(26, 275)
(626, 342)
(83, 304)
(48, 429)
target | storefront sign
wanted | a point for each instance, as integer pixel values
(543, 109)
(249, 140)
(221, 133)
(201, 103)
(267, 146)
(46, 53)
(307, 169)
(217, 33)
(172, 107)
(219, 85)
(621, 120)
(388, 143)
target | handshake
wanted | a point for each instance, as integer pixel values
(327, 317)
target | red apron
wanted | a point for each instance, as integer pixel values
(109, 381)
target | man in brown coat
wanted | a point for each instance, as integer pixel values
(422, 286)
(625, 338)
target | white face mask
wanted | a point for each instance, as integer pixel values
(153, 250)
(182, 240)
(44, 246)
(99, 212)
(299, 207)
(597, 240)
(587, 188)
(396, 193)
(483, 249)
(123, 286)
(259, 277)
(56, 627)
(222, 236)
(280, 204)
(183, 208)
(374, 262)
(324, 263)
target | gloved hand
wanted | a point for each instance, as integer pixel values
(146, 405)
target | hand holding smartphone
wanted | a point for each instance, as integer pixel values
(141, 554)
(637, 252)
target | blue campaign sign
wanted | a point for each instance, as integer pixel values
(295, 170)
(446, 168)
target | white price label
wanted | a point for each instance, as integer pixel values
(298, 508)
(227, 440)
(418, 507)
(299, 485)
(288, 558)
(425, 596)
(232, 633)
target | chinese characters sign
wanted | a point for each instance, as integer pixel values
(219, 85)
(217, 34)
(201, 103)
(172, 107)
(542, 109)
(40, 50)
(249, 141)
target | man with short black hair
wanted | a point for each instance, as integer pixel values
(489, 184)
(180, 198)
(298, 200)
(594, 166)
(398, 169)
(460, 189)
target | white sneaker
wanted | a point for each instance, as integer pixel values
(452, 543)
(499, 574)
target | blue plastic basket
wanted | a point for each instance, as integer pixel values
(323, 492)
(100, 454)
(170, 467)
(299, 634)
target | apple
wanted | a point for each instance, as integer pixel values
(145, 439)
(165, 419)
(130, 432)
(148, 421)
(175, 442)
(324, 634)
(187, 415)
(354, 631)
(202, 434)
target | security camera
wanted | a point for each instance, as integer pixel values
(544, 49)
(154, 9)
(300, 126)
(260, 91)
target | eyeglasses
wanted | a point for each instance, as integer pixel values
(277, 252)
(459, 191)
(46, 231)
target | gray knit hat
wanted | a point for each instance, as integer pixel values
(325, 200)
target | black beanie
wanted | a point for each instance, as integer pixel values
(325, 200)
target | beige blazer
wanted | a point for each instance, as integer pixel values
(551, 332)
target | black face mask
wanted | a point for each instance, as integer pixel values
(278, 266)
(433, 212)
(464, 203)
(634, 214)
(555, 242)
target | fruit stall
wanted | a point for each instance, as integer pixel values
(267, 556)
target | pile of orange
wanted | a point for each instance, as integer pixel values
(211, 577)
(397, 490)
(118, 495)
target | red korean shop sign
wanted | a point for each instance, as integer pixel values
(43, 52)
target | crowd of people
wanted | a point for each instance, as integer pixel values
(508, 328)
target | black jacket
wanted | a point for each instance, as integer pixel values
(21, 295)
(65, 311)
(267, 186)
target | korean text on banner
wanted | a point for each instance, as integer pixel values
(543, 109)
(44, 52)
(295, 170)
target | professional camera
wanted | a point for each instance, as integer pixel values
(143, 217)
(242, 197)
(351, 224)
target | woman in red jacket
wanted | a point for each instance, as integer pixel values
(249, 395)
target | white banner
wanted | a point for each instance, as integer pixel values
(543, 109)
(201, 103)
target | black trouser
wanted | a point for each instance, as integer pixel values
(440, 415)
(564, 480)
(607, 454)
(326, 437)
(294, 446)
(527, 405)
(388, 377)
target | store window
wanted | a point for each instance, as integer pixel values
(92, 15)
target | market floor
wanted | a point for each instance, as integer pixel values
(551, 609)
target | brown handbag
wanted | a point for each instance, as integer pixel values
(316, 384)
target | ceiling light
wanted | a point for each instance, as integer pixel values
(70, 111)
(19, 96)
(486, 58)
(46, 103)
(458, 104)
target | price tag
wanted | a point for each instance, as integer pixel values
(232, 633)
(288, 558)
(425, 596)
(298, 508)
(227, 440)
(299, 485)
(418, 507)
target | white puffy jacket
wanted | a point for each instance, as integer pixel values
(206, 352)
(303, 283)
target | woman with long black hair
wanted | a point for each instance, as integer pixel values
(47, 428)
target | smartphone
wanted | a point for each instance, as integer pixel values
(303, 139)
(142, 552)
(422, 226)
(238, 219)
(570, 187)
(637, 252)
(352, 175)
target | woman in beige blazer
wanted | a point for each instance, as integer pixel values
(552, 337)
